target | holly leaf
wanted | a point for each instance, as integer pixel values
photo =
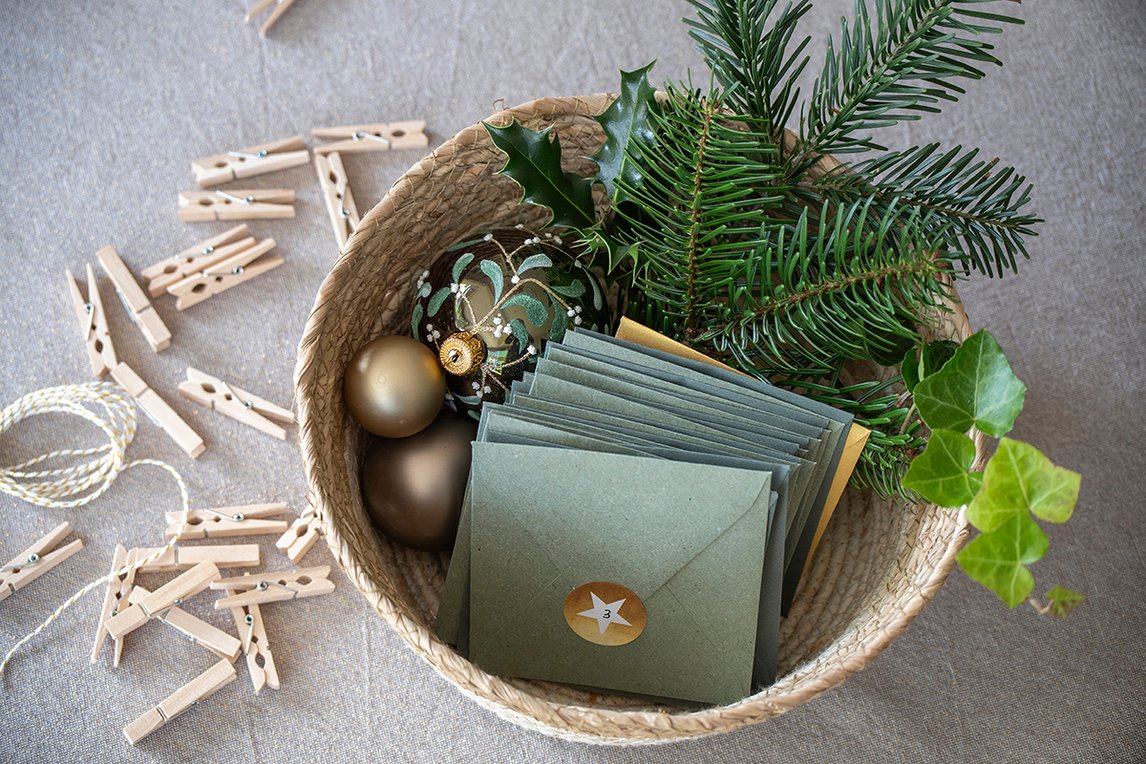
(533, 161)
(976, 387)
(626, 121)
(998, 559)
(1060, 601)
(942, 473)
(1020, 479)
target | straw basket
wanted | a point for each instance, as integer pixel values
(877, 566)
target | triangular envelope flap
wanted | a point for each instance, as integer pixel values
(597, 511)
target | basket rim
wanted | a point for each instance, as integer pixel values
(566, 720)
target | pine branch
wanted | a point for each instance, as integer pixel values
(855, 289)
(888, 69)
(750, 56)
(706, 183)
(979, 204)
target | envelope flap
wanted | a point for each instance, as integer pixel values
(598, 516)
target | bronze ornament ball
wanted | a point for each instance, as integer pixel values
(394, 386)
(413, 487)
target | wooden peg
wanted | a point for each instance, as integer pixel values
(37, 560)
(281, 7)
(159, 411)
(336, 194)
(227, 521)
(199, 631)
(134, 300)
(119, 588)
(193, 259)
(202, 686)
(93, 324)
(236, 403)
(260, 660)
(223, 275)
(218, 169)
(170, 594)
(299, 537)
(187, 557)
(261, 204)
(376, 136)
(274, 587)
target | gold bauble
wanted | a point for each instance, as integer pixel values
(394, 386)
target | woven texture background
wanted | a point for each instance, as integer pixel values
(103, 107)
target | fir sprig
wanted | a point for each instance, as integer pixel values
(979, 204)
(890, 68)
(751, 55)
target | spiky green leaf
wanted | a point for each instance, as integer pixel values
(533, 161)
(627, 120)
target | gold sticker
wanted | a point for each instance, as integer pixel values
(605, 613)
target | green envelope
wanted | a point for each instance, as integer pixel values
(686, 538)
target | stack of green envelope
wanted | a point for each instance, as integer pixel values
(695, 489)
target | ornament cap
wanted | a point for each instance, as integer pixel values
(461, 353)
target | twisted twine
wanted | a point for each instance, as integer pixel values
(110, 409)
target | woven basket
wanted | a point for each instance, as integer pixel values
(878, 564)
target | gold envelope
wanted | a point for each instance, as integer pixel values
(688, 539)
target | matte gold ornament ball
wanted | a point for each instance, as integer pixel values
(413, 487)
(394, 386)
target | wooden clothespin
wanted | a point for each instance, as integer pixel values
(197, 630)
(93, 323)
(37, 560)
(187, 557)
(223, 275)
(119, 588)
(164, 274)
(377, 136)
(167, 596)
(202, 686)
(227, 521)
(252, 161)
(134, 300)
(299, 537)
(281, 7)
(336, 195)
(260, 660)
(159, 411)
(258, 204)
(274, 587)
(236, 403)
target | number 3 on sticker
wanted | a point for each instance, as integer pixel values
(605, 613)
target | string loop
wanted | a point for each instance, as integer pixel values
(110, 409)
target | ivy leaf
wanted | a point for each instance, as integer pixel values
(998, 559)
(535, 310)
(493, 271)
(1060, 601)
(942, 472)
(976, 387)
(626, 121)
(921, 363)
(533, 161)
(1020, 479)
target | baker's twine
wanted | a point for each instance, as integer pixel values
(110, 409)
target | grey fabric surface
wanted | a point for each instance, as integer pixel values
(104, 104)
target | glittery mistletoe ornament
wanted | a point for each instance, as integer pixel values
(488, 306)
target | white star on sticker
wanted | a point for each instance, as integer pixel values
(605, 613)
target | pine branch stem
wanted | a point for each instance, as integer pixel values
(695, 205)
